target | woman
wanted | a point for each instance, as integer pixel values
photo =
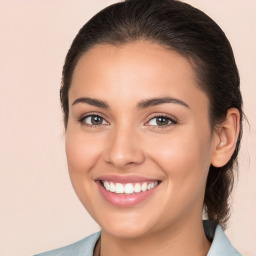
(153, 119)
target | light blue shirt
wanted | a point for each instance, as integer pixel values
(220, 246)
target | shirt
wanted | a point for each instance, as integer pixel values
(220, 246)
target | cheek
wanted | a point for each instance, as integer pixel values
(82, 156)
(82, 152)
(185, 160)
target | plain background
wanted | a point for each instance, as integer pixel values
(39, 210)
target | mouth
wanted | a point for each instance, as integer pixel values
(126, 191)
(128, 188)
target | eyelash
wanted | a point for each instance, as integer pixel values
(170, 118)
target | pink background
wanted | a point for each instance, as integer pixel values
(39, 210)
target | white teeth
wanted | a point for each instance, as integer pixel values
(144, 187)
(137, 188)
(128, 188)
(119, 188)
(112, 187)
(106, 185)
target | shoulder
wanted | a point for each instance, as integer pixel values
(221, 246)
(83, 247)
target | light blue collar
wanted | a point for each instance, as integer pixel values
(221, 245)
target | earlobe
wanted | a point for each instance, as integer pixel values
(226, 138)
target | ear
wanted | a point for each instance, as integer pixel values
(226, 135)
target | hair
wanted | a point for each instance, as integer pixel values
(191, 33)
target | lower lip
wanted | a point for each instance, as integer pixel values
(125, 200)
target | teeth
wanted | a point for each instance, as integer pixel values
(112, 187)
(137, 188)
(144, 187)
(128, 188)
(119, 188)
(106, 185)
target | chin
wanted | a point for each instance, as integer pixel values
(126, 226)
(125, 231)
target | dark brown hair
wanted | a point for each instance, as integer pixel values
(190, 32)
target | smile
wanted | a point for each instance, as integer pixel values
(126, 191)
(128, 188)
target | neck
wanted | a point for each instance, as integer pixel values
(188, 239)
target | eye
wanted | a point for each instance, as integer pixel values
(93, 120)
(162, 121)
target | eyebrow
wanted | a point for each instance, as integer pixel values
(141, 105)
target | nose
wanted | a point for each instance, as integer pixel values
(124, 149)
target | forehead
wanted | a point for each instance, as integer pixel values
(134, 70)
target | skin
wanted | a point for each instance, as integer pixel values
(129, 141)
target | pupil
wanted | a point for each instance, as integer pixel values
(96, 120)
(162, 121)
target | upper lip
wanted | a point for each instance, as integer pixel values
(124, 178)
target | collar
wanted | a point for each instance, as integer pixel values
(221, 245)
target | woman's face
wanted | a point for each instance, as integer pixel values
(138, 121)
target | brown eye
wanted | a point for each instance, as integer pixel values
(93, 120)
(96, 120)
(161, 121)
